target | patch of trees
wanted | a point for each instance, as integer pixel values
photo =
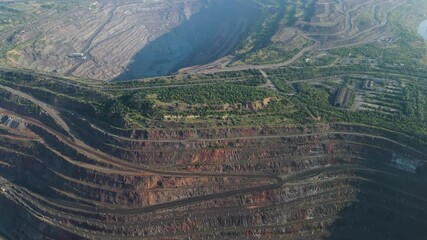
(210, 94)
(254, 81)
(139, 102)
(113, 112)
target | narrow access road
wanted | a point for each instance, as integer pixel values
(269, 84)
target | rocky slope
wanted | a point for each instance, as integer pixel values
(64, 176)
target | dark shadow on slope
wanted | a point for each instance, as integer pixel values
(208, 35)
(385, 207)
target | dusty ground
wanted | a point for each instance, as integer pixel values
(109, 34)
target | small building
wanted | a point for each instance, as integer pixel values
(80, 56)
(12, 122)
(368, 84)
(76, 55)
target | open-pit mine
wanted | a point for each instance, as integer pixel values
(296, 120)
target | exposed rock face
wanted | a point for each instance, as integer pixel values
(322, 181)
(66, 176)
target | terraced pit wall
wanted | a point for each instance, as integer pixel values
(321, 181)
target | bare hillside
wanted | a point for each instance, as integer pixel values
(106, 33)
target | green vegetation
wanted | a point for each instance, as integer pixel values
(306, 90)
(309, 101)
(246, 77)
(315, 104)
(265, 44)
(212, 94)
(254, 82)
